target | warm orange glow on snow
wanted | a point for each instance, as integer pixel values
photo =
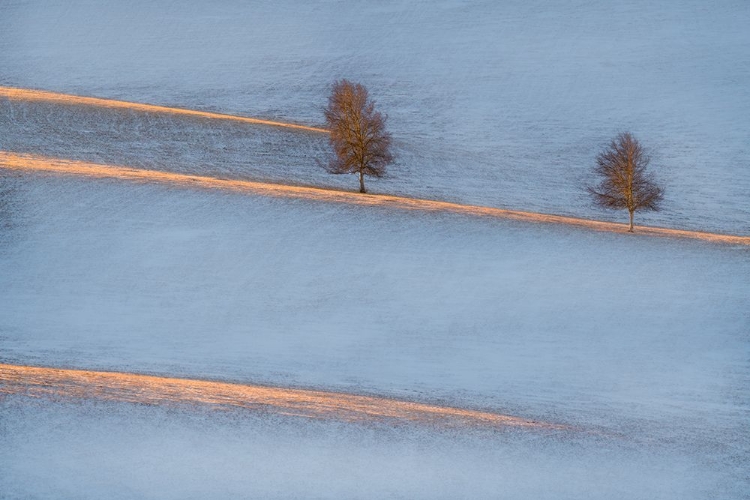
(58, 98)
(145, 389)
(32, 163)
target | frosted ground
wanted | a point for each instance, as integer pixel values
(499, 103)
(61, 450)
(640, 344)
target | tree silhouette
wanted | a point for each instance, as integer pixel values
(625, 184)
(358, 137)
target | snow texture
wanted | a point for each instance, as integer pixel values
(639, 337)
(58, 450)
(641, 343)
(498, 103)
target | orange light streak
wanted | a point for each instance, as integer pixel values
(146, 389)
(59, 98)
(33, 163)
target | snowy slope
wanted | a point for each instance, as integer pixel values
(91, 451)
(98, 274)
(499, 103)
(640, 343)
(638, 336)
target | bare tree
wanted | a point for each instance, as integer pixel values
(625, 183)
(358, 137)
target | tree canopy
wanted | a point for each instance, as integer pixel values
(358, 136)
(625, 182)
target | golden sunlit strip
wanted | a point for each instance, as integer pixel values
(146, 389)
(58, 98)
(32, 163)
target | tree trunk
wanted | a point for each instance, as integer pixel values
(362, 182)
(631, 221)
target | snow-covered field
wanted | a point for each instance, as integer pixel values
(640, 338)
(499, 103)
(640, 344)
(60, 450)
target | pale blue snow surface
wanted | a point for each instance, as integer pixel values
(638, 337)
(498, 103)
(640, 341)
(94, 451)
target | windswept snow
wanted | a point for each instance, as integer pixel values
(39, 382)
(92, 451)
(30, 95)
(638, 344)
(643, 338)
(33, 164)
(492, 103)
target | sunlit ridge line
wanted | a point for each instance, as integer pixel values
(156, 390)
(60, 98)
(23, 162)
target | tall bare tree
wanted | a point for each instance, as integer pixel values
(625, 184)
(358, 137)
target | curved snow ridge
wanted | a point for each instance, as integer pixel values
(34, 163)
(154, 390)
(60, 98)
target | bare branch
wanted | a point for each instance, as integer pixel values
(358, 137)
(625, 184)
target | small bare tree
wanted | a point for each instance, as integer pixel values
(625, 183)
(358, 137)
